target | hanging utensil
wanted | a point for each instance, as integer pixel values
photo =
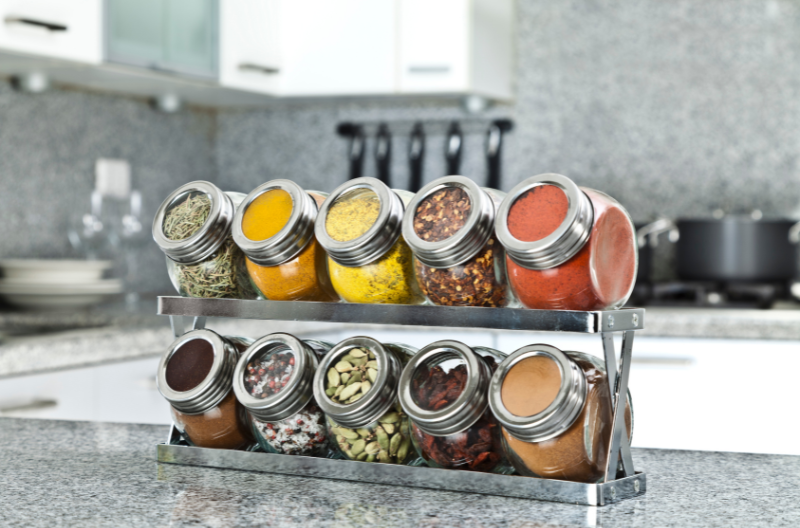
(383, 153)
(452, 149)
(356, 152)
(494, 143)
(416, 154)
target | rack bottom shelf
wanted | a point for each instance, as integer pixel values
(419, 477)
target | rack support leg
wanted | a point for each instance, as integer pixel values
(619, 461)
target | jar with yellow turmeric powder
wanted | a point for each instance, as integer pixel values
(359, 225)
(274, 227)
(193, 229)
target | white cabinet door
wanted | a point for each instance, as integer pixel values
(346, 47)
(434, 46)
(250, 45)
(53, 28)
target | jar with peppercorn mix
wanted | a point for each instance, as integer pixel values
(359, 225)
(556, 413)
(444, 391)
(356, 387)
(194, 376)
(449, 226)
(273, 381)
(193, 229)
(274, 227)
(568, 247)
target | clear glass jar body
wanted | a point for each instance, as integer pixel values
(600, 276)
(304, 433)
(385, 440)
(479, 447)
(225, 426)
(223, 275)
(579, 454)
(387, 280)
(303, 278)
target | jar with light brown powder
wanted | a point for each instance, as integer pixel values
(556, 413)
(195, 376)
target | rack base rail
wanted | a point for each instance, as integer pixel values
(621, 480)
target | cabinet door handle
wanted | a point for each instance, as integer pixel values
(429, 69)
(49, 26)
(249, 66)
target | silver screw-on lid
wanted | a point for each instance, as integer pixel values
(559, 415)
(560, 245)
(377, 240)
(298, 391)
(214, 387)
(377, 401)
(467, 241)
(287, 243)
(208, 238)
(466, 409)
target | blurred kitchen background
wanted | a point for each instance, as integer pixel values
(679, 109)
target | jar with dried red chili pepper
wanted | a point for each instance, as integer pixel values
(444, 391)
(272, 380)
(568, 247)
(356, 387)
(449, 226)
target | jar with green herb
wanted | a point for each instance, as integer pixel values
(359, 225)
(193, 229)
(356, 387)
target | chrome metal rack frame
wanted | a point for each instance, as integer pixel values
(621, 480)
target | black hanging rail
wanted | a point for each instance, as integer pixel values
(432, 127)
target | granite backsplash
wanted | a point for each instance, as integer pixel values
(674, 107)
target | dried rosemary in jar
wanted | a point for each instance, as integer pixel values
(449, 225)
(193, 228)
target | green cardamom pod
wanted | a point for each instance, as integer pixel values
(389, 428)
(347, 358)
(362, 456)
(383, 438)
(348, 433)
(350, 391)
(394, 443)
(372, 448)
(354, 377)
(384, 457)
(372, 355)
(349, 454)
(339, 390)
(402, 452)
(358, 446)
(372, 374)
(390, 417)
(333, 378)
(344, 376)
(343, 366)
(331, 391)
(354, 398)
(340, 439)
(363, 432)
(372, 364)
(371, 458)
(365, 386)
(357, 353)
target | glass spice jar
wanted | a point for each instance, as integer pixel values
(356, 387)
(556, 413)
(274, 227)
(568, 247)
(444, 391)
(449, 226)
(273, 381)
(359, 225)
(193, 229)
(194, 376)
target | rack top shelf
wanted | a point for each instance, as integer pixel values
(464, 317)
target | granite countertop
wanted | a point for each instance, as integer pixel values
(101, 474)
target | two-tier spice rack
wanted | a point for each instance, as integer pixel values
(621, 480)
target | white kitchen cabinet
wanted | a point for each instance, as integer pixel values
(53, 28)
(456, 46)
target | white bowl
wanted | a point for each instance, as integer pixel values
(34, 294)
(54, 271)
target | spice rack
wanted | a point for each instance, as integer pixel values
(621, 480)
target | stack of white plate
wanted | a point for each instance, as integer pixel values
(56, 283)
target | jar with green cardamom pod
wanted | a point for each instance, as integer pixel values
(356, 387)
(193, 229)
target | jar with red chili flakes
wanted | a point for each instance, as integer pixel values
(273, 382)
(444, 390)
(568, 247)
(449, 226)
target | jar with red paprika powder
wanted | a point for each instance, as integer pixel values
(195, 377)
(449, 226)
(568, 247)
(444, 390)
(556, 413)
(273, 381)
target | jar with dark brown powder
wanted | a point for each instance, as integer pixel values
(556, 413)
(195, 377)
(449, 226)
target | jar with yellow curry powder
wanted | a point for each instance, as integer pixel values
(274, 227)
(193, 229)
(359, 225)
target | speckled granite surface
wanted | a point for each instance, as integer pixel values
(100, 474)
